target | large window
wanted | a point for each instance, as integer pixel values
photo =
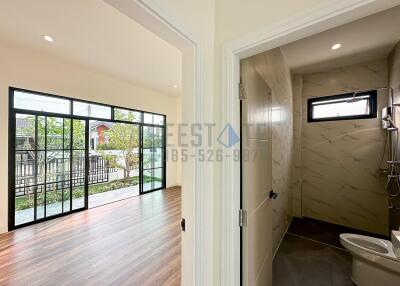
(341, 107)
(70, 155)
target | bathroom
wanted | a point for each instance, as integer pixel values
(334, 109)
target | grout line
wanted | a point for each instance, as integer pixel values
(261, 268)
(316, 241)
(283, 236)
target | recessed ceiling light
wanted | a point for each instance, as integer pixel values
(175, 86)
(336, 46)
(48, 38)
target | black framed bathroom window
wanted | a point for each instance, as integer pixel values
(346, 106)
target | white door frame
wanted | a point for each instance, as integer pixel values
(197, 177)
(324, 16)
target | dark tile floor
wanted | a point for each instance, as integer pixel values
(323, 231)
(301, 261)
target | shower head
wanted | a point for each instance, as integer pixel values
(354, 98)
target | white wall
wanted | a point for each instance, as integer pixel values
(195, 19)
(38, 72)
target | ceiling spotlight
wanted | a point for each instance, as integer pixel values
(175, 86)
(336, 46)
(48, 38)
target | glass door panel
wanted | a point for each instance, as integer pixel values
(78, 179)
(153, 179)
(78, 165)
(40, 202)
(147, 183)
(153, 151)
(28, 180)
(43, 172)
(56, 158)
(158, 178)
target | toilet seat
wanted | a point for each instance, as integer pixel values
(373, 245)
(374, 260)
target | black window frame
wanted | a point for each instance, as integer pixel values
(372, 106)
(12, 150)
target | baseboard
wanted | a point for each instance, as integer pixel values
(173, 186)
(280, 241)
(3, 230)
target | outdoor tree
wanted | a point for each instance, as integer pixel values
(123, 138)
(58, 133)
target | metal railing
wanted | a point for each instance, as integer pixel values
(30, 176)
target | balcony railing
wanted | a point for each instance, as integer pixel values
(58, 175)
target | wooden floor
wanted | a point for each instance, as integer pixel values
(132, 242)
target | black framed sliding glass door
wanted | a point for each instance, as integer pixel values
(67, 155)
(153, 158)
(49, 166)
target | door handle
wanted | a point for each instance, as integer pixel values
(183, 224)
(272, 194)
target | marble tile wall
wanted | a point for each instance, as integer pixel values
(297, 82)
(394, 82)
(273, 69)
(340, 182)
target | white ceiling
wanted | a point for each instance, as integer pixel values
(94, 35)
(366, 39)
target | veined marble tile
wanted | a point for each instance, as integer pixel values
(297, 82)
(340, 182)
(394, 82)
(272, 68)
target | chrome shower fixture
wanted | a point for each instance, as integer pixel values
(387, 118)
(392, 135)
(355, 99)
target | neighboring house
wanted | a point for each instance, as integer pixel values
(97, 133)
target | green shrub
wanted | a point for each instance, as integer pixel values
(27, 202)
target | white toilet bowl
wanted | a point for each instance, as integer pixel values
(375, 261)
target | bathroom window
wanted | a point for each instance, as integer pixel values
(342, 107)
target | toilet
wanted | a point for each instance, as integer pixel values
(375, 261)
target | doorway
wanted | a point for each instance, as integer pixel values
(321, 19)
(256, 177)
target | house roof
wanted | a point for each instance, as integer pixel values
(95, 124)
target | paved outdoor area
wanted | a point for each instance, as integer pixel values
(95, 200)
(112, 196)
